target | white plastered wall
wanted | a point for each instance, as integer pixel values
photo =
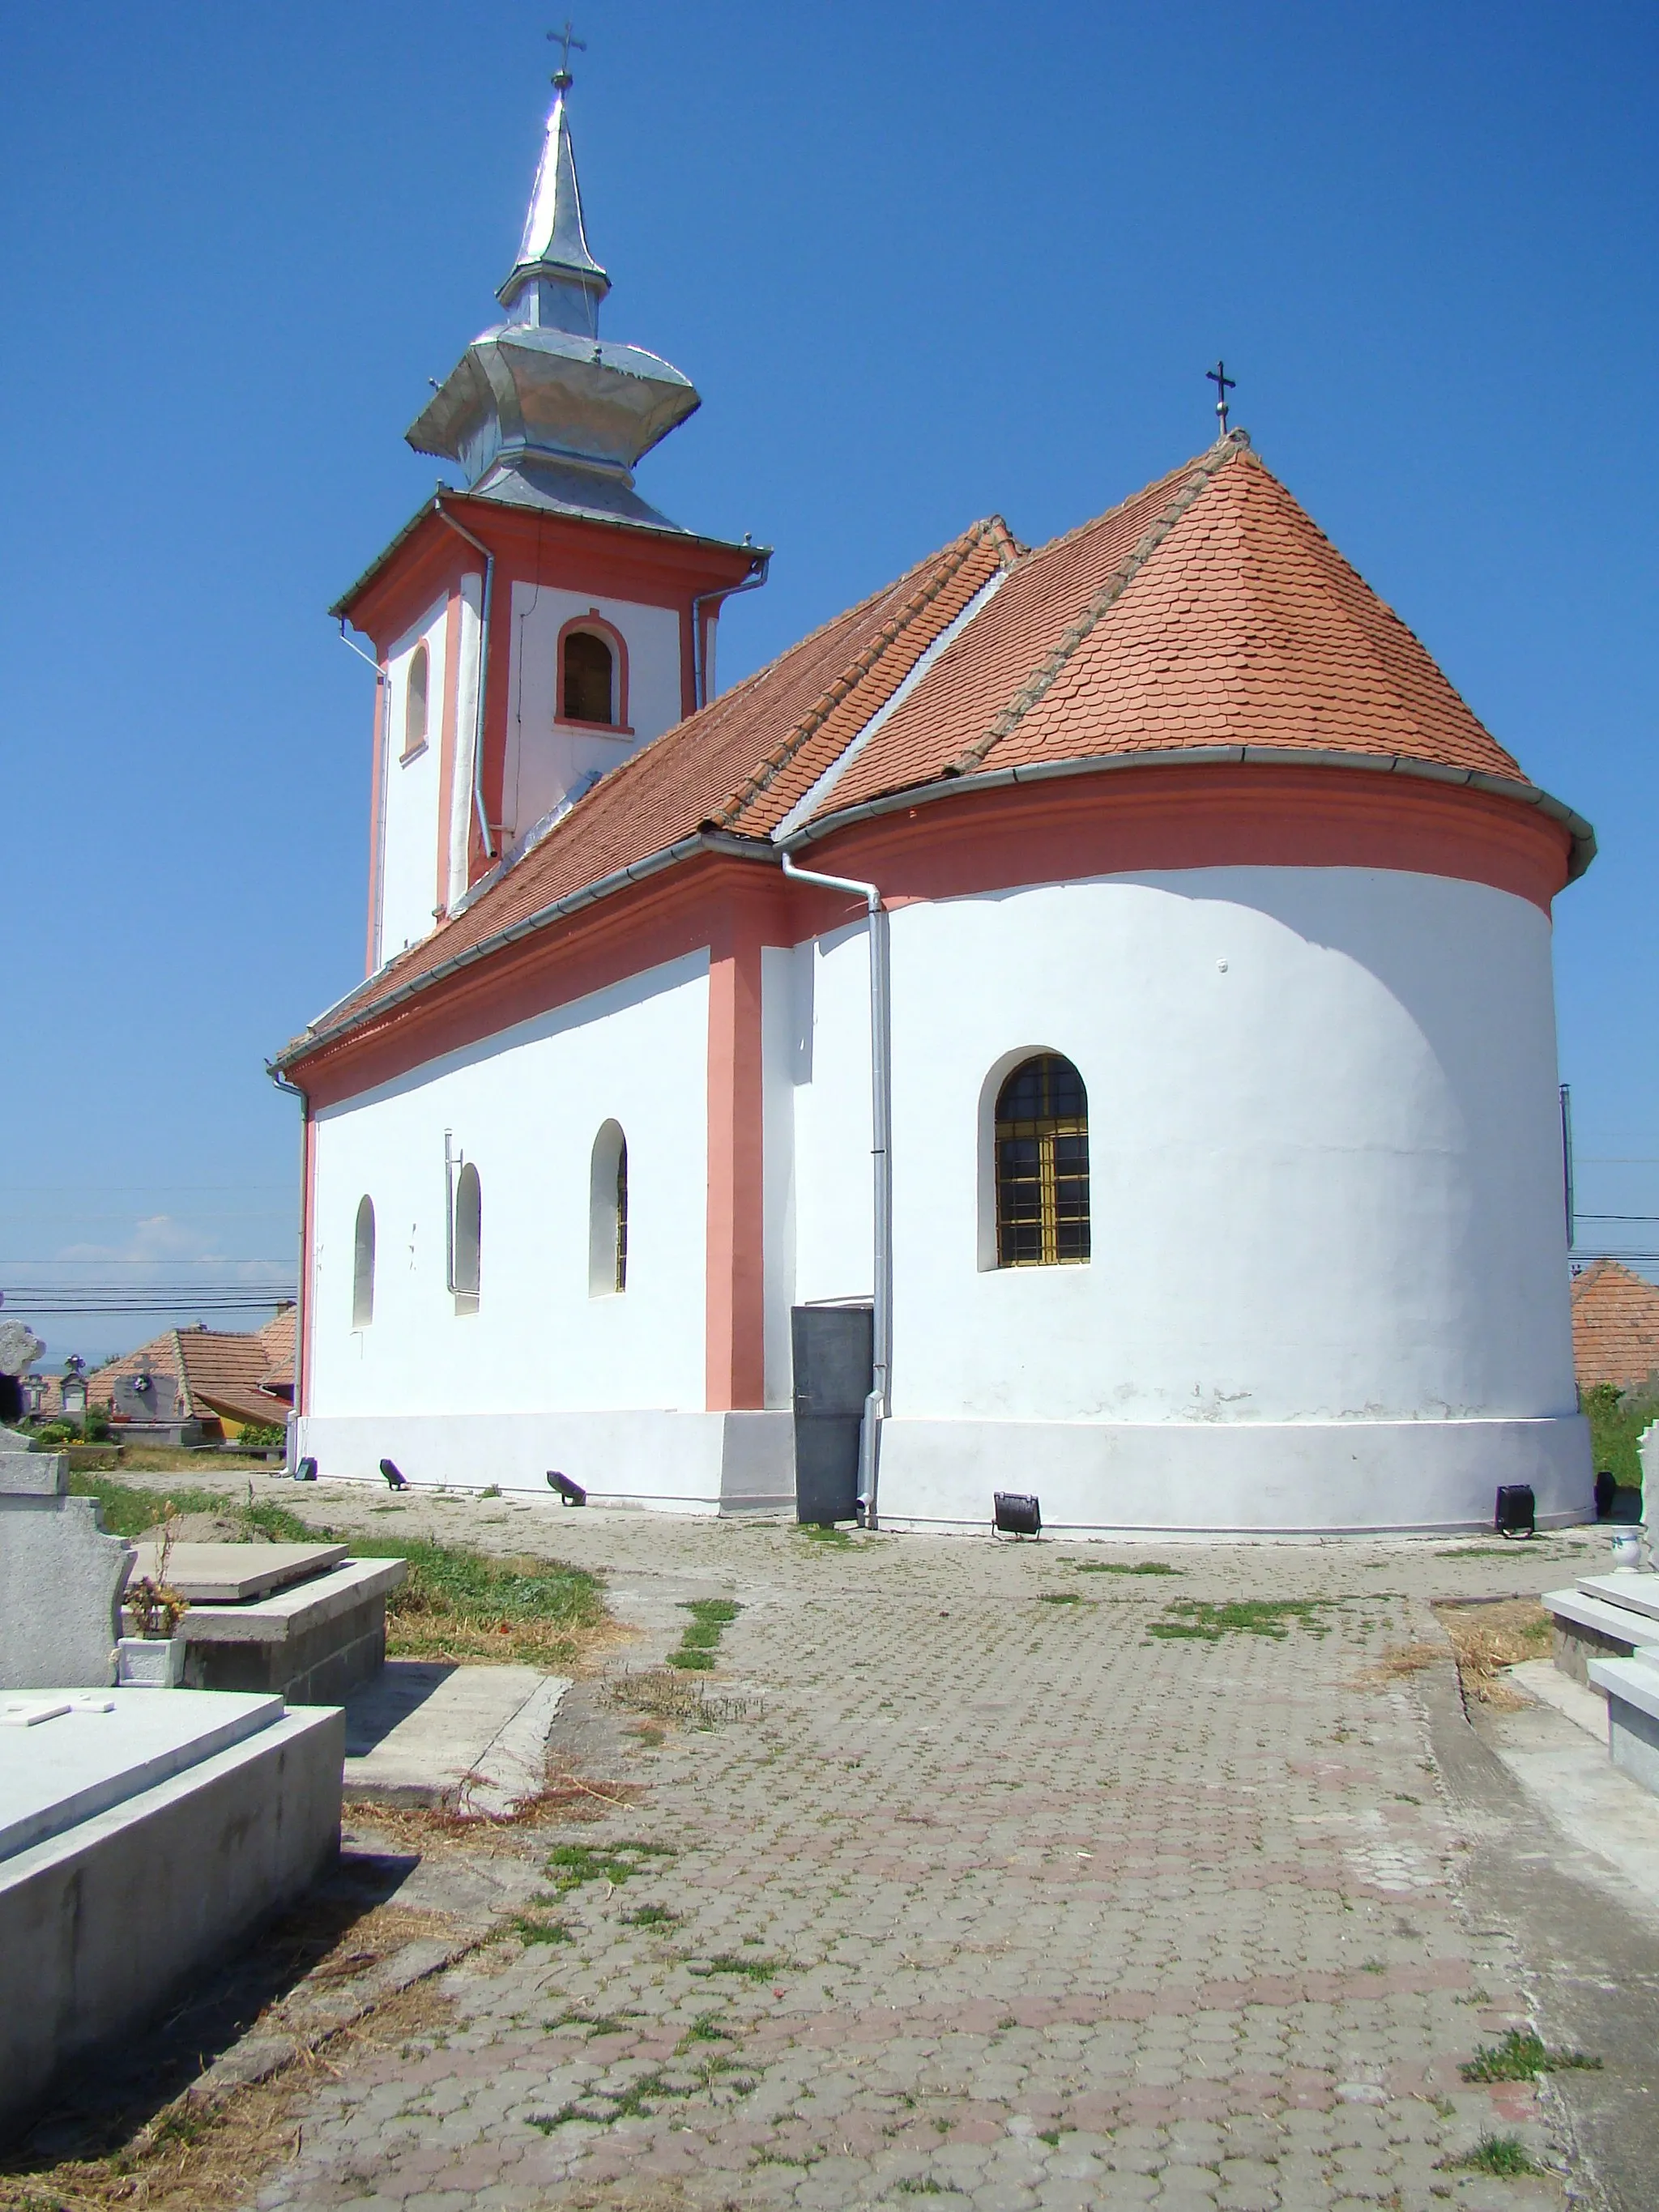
(611, 1389)
(1328, 1284)
(547, 759)
(410, 796)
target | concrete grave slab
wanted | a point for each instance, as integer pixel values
(311, 1642)
(194, 1819)
(227, 1574)
(430, 1733)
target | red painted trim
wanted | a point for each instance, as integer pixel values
(447, 744)
(736, 1316)
(304, 1301)
(561, 552)
(1063, 829)
(376, 802)
(595, 624)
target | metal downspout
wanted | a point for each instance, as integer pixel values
(879, 1403)
(751, 582)
(478, 808)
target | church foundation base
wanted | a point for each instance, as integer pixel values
(1304, 1478)
(704, 1463)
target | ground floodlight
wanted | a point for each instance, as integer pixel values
(570, 1493)
(1516, 1510)
(306, 1471)
(1017, 1516)
(389, 1469)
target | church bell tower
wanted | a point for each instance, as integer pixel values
(535, 627)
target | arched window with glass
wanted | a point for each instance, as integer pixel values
(1041, 1140)
(607, 1213)
(362, 1264)
(469, 1239)
(415, 700)
(590, 675)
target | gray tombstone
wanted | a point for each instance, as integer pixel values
(61, 1578)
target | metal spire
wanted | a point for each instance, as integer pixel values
(553, 254)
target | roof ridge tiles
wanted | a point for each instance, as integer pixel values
(1197, 475)
(946, 563)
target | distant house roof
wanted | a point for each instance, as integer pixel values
(1616, 1325)
(242, 1375)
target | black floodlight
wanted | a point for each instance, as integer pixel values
(570, 1493)
(389, 1469)
(306, 1471)
(1516, 1510)
(1017, 1516)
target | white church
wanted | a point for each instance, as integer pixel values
(1078, 1024)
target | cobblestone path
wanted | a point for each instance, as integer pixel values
(981, 1890)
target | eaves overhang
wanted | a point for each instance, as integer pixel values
(325, 1032)
(1578, 829)
(484, 507)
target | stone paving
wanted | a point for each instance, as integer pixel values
(977, 1888)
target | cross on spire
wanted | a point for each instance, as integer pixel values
(1223, 383)
(566, 39)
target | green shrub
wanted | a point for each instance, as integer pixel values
(1617, 1419)
(262, 1436)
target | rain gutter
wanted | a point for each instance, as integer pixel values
(751, 582)
(1499, 787)
(700, 841)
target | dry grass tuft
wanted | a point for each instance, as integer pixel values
(1400, 1660)
(1489, 1637)
(665, 1693)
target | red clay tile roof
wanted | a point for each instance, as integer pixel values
(222, 1370)
(1616, 1325)
(1208, 610)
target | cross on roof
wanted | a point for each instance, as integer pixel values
(1223, 383)
(567, 39)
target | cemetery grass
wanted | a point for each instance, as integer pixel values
(457, 1604)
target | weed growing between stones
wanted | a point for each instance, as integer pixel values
(728, 1962)
(664, 1694)
(1521, 2054)
(816, 1532)
(710, 1618)
(705, 2028)
(1256, 1616)
(651, 1916)
(529, 1929)
(1503, 2155)
(592, 2023)
(1058, 1597)
(1121, 1567)
(570, 1865)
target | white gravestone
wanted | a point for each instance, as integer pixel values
(61, 1578)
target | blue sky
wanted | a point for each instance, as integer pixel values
(924, 263)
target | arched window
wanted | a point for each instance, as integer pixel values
(1042, 1166)
(590, 668)
(362, 1266)
(607, 1213)
(469, 1238)
(414, 686)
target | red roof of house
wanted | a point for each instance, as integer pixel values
(218, 1370)
(1616, 1325)
(1208, 610)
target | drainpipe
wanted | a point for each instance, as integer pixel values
(879, 1403)
(751, 582)
(444, 515)
(301, 1288)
